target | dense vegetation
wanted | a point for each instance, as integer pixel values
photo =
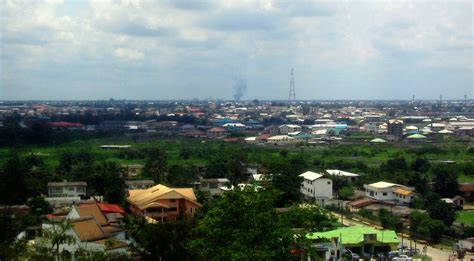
(26, 170)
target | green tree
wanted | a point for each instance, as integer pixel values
(107, 180)
(445, 180)
(286, 180)
(421, 164)
(345, 192)
(165, 241)
(155, 164)
(422, 224)
(13, 189)
(57, 235)
(182, 175)
(388, 220)
(244, 225)
(309, 217)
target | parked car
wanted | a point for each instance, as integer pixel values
(402, 258)
(351, 256)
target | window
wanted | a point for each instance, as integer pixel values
(212, 185)
(384, 194)
(172, 200)
(329, 182)
(71, 188)
(190, 210)
(172, 209)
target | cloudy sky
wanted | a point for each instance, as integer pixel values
(184, 49)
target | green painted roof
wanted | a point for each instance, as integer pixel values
(355, 235)
(416, 136)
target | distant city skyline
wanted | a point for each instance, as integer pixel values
(179, 49)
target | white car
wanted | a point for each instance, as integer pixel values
(402, 258)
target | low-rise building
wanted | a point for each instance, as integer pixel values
(316, 187)
(163, 203)
(67, 189)
(288, 128)
(212, 185)
(350, 177)
(386, 191)
(132, 170)
(139, 184)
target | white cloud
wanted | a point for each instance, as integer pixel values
(198, 39)
(129, 54)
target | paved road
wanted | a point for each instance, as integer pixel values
(435, 253)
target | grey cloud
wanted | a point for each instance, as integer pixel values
(240, 20)
(36, 36)
(194, 5)
(137, 29)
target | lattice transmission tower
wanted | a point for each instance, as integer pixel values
(292, 87)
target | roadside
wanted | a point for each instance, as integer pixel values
(435, 253)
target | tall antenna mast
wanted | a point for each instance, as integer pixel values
(292, 87)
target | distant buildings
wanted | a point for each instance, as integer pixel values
(350, 177)
(395, 128)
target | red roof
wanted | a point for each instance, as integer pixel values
(63, 124)
(110, 208)
(466, 187)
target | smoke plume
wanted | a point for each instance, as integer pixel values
(239, 87)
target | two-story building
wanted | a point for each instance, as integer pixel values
(213, 186)
(67, 189)
(316, 187)
(163, 203)
(386, 191)
(139, 183)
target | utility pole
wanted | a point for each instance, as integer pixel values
(292, 87)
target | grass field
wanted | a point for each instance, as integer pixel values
(333, 155)
(466, 217)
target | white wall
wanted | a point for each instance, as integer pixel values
(379, 193)
(319, 188)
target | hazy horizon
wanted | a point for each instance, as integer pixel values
(182, 50)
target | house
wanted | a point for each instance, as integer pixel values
(234, 126)
(91, 228)
(216, 133)
(280, 139)
(395, 128)
(163, 203)
(316, 187)
(212, 185)
(67, 189)
(416, 138)
(386, 191)
(139, 184)
(350, 177)
(467, 190)
(358, 239)
(288, 128)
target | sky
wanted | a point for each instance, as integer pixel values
(187, 49)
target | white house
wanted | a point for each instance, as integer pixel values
(386, 191)
(66, 189)
(315, 186)
(212, 185)
(281, 139)
(351, 177)
(289, 128)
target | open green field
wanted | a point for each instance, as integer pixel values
(350, 157)
(466, 217)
